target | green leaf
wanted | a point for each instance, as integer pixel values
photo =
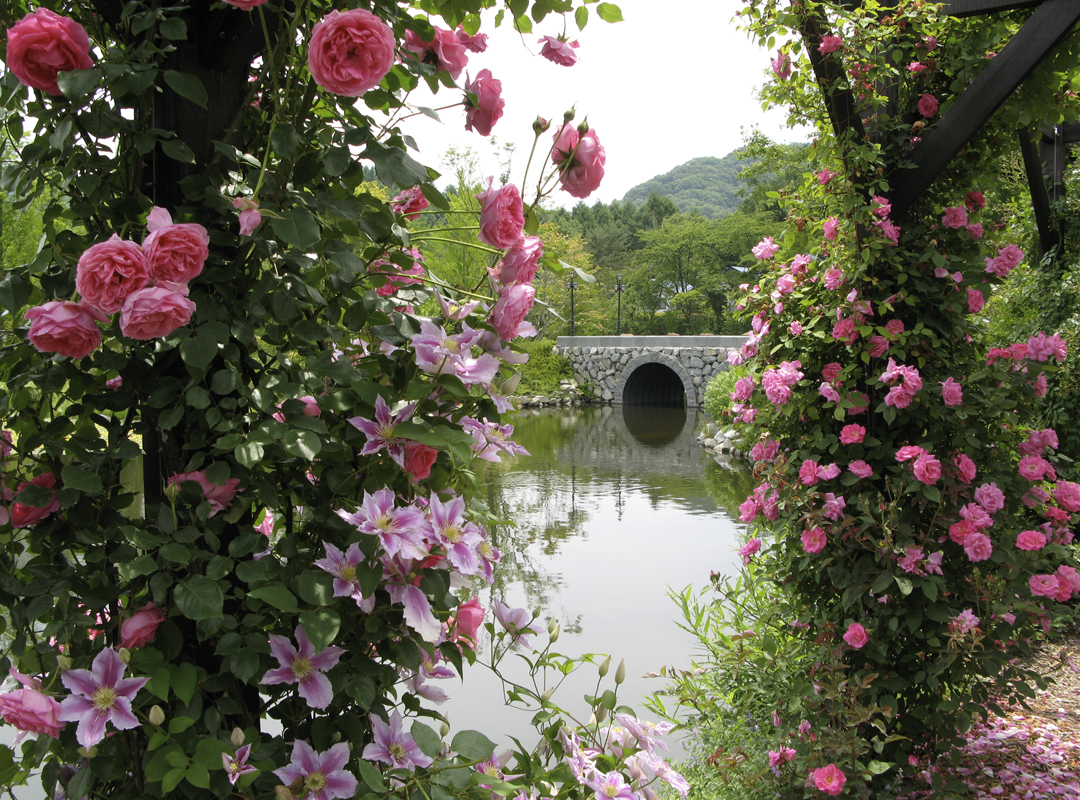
(79, 82)
(249, 454)
(187, 86)
(184, 678)
(878, 767)
(174, 28)
(158, 685)
(316, 588)
(322, 626)
(197, 775)
(74, 477)
(302, 444)
(426, 739)
(372, 777)
(178, 151)
(199, 598)
(297, 227)
(609, 12)
(904, 584)
(15, 291)
(276, 595)
(178, 724)
(284, 139)
(581, 17)
(172, 778)
(394, 165)
(199, 350)
(473, 745)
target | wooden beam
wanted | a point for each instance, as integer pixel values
(1040, 200)
(998, 79)
(829, 71)
(971, 8)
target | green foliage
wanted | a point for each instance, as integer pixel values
(708, 185)
(718, 400)
(544, 370)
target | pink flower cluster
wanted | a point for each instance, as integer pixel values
(760, 502)
(901, 394)
(1007, 259)
(1060, 586)
(778, 382)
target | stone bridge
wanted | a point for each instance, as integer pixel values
(648, 370)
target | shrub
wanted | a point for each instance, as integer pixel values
(544, 370)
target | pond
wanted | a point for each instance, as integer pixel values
(614, 506)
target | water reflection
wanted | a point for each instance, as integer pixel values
(614, 506)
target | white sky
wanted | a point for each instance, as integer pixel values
(672, 82)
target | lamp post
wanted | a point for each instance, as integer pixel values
(573, 285)
(618, 319)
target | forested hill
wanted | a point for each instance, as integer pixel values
(706, 184)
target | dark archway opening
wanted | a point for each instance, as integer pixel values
(654, 385)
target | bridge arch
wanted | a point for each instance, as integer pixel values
(655, 379)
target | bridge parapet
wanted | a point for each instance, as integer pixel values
(648, 370)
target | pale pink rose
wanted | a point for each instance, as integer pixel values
(952, 393)
(482, 113)
(928, 105)
(829, 228)
(108, 272)
(1031, 540)
(927, 469)
(154, 312)
(30, 710)
(419, 459)
(895, 327)
(830, 44)
(409, 203)
(445, 52)
(1067, 495)
(795, 328)
(1033, 467)
(502, 217)
(139, 629)
(42, 45)
(510, 310)
(469, 616)
(475, 43)
(975, 300)
(834, 279)
(246, 5)
(765, 249)
(67, 328)
(955, 216)
(250, 218)
(1043, 585)
(176, 253)
(856, 635)
(861, 469)
(975, 230)
(219, 497)
(23, 515)
(814, 540)
(558, 51)
(521, 261)
(350, 52)
(852, 434)
(581, 159)
(978, 546)
(1068, 580)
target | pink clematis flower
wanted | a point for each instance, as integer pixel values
(303, 667)
(343, 567)
(517, 622)
(236, 765)
(99, 695)
(322, 775)
(380, 433)
(610, 786)
(393, 746)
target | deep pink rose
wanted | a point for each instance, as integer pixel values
(470, 616)
(397, 276)
(42, 45)
(856, 635)
(830, 44)
(502, 217)
(927, 469)
(1067, 495)
(521, 261)
(965, 467)
(879, 346)
(419, 458)
(1031, 540)
(176, 253)
(829, 228)
(511, 309)
(975, 300)
(247, 5)
(250, 218)
(139, 629)
(781, 67)
(814, 540)
(482, 113)
(829, 779)
(748, 550)
(928, 105)
(67, 328)
(978, 546)
(109, 272)
(445, 52)
(955, 216)
(28, 709)
(1043, 585)
(476, 43)
(409, 203)
(154, 312)
(952, 393)
(895, 327)
(23, 515)
(581, 158)
(558, 51)
(852, 434)
(350, 52)
(219, 497)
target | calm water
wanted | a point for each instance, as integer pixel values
(613, 507)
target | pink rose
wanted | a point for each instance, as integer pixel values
(831, 372)
(558, 51)
(829, 44)
(476, 43)
(895, 327)
(250, 218)
(67, 328)
(1067, 495)
(834, 279)
(581, 158)
(502, 217)
(351, 51)
(469, 616)
(829, 228)
(418, 459)
(928, 105)
(246, 5)
(852, 434)
(109, 272)
(1033, 467)
(510, 310)
(861, 469)
(482, 113)
(927, 469)
(975, 230)
(42, 45)
(409, 203)
(814, 540)
(955, 216)
(219, 497)
(176, 253)
(978, 546)
(1031, 540)
(520, 263)
(397, 276)
(975, 301)
(879, 346)
(1043, 585)
(139, 629)
(445, 52)
(748, 550)
(781, 67)
(154, 312)
(23, 515)
(28, 709)
(965, 467)
(952, 393)
(856, 635)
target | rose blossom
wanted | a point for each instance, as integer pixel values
(42, 45)
(177, 252)
(856, 635)
(502, 217)
(765, 249)
(861, 469)
(814, 540)
(469, 617)
(955, 216)
(350, 52)
(852, 434)
(109, 271)
(28, 709)
(409, 202)
(828, 229)
(581, 159)
(445, 52)
(1031, 540)
(510, 310)
(928, 105)
(781, 67)
(67, 328)
(829, 44)
(952, 393)
(139, 629)
(521, 261)
(218, 496)
(1043, 585)
(1067, 495)
(748, 550)
(829, 779)
(978, 546)
(482, 113)
(475, 43)
(250, 218)
(23, 515)
(154, 312)
(558, 51)
(419, 459)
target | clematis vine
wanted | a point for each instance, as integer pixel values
(98, 696)
(303, 666)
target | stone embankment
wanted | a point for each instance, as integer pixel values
(569, 395)
(724, 445)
